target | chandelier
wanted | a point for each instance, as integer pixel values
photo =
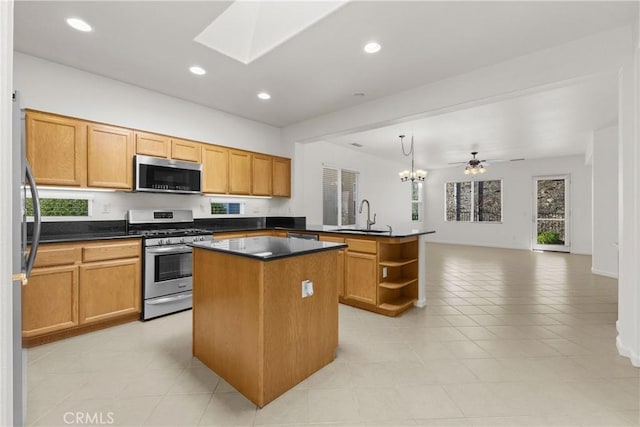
(412, 175)
(474, 166)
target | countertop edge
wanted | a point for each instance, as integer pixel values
(98, 236)
(335, 246)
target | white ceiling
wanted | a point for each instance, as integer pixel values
(549, 123)
(151, 44)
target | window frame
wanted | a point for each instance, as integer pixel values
(339, 199)
(418, 201)
(242, 207)
(44, 193)
(473, 212)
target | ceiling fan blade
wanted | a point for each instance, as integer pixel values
(457, 163)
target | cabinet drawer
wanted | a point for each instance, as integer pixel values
(329, 238)
(107, 251)
(50, 256)
(358, 245)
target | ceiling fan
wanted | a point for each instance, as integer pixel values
(474, 165)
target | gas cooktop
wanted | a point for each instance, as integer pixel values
(170, 232)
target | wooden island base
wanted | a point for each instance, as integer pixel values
(251, 325)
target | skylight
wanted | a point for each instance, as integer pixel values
(246, 30)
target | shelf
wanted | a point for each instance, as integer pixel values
(398, 304)
(398, 262)
(397, 284)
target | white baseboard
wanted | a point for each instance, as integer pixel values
(604, 273)
(627, 352)
(580, 252)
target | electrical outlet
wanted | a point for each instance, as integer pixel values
(307, 288)
(106, 208)
(384, 272)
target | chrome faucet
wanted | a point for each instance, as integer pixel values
(369, 222)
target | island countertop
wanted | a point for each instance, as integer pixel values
(268, 248)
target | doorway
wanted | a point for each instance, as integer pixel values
(551, 228)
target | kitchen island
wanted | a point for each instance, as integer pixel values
(265, 311)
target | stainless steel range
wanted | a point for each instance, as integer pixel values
(167, 282)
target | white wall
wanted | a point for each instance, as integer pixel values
(55, 88)
(605, 206)
(516, 229)
(378, 181)
(6, 208)
(628, 325)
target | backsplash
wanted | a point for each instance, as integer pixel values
(110, 205)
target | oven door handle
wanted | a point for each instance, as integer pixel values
(168, 299)
(170, 249)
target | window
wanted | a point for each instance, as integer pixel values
(218, 208)
(473, 201)
(416, 201)
(339, 196)
(60, 207)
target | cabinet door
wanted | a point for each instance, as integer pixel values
(281, 177)
(56, 149)
(239, 172)
(109, 289)
(150, 144)
(109, 157)
(262, 167)
(361, 281)
(50, 301)
(215, 169)
(182, 149)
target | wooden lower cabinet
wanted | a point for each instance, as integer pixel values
(50, 300)
(79, 287)
(109, 289)
(361, 277)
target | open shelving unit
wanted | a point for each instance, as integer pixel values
(398, 275)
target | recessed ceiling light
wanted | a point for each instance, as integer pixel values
(198, 70)
(264, 96)
(372, 47)
(79, 24)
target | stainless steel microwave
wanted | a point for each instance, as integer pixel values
(158, 175)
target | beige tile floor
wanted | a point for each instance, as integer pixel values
(507, 338)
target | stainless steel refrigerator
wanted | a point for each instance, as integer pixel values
(22, 180)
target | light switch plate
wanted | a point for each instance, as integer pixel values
(307, 288)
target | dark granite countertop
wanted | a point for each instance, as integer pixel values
(268, 248)
(380, 232)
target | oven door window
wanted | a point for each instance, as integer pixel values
(172, 266)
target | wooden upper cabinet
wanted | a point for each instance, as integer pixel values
(281, 177)
(151, 144)
(56, 149)
(182, 149)
(215, 169)
(261, 177)
(109, 157)
(239, 172)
